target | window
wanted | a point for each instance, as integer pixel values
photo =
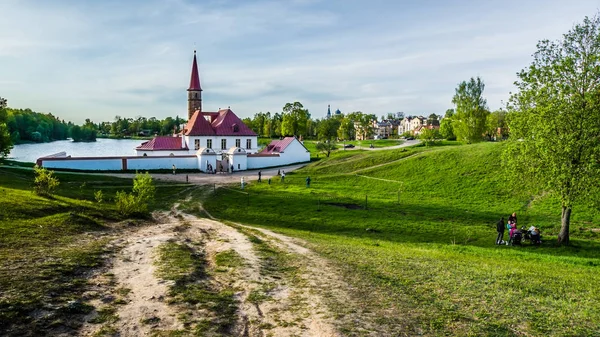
(238, 143)
(236, 128)
(223, 144)
(145, 155)
(196, 144)
(209, 143)
(248, 144)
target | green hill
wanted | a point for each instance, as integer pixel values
(416, 233)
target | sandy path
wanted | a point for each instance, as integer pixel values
(292, 306)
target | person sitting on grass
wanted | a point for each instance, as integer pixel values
(534, 233)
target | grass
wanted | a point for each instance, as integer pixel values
(429, 250)
(48, 245)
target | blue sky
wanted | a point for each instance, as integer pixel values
(97, 59)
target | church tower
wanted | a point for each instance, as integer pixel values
(194, 91)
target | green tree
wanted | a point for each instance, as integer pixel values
(6, 142)
(328, 129)
(446, 127)
(295, 119)
(555, 119)
(429, 136)
(346, 130)
(471, 111)
(496, 124)
(326, 146)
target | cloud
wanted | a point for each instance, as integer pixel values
(99, 59)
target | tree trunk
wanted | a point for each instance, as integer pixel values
(563, 236)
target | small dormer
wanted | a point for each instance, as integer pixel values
(235, 128)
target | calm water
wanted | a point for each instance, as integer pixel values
(102, 147)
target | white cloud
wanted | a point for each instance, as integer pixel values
(133, 58)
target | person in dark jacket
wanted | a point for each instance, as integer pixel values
(500, 228)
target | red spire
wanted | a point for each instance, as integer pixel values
(195, 80)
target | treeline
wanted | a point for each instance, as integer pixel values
(27, 126)
(295, 120)
(139, 127)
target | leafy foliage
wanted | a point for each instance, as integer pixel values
(555, 119)
(430, 136)
(45, 182)
(6, 142)
(471, 111)
(129, 204)
(326, 147)
(446, 128)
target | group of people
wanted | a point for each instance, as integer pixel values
(533, 233)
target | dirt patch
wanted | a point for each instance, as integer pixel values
(344, 205)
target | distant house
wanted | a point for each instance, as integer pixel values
(288, 150)
(420, 129)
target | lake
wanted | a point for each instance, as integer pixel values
(102, 147)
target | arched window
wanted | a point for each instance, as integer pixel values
(172, 155)
(145, 155)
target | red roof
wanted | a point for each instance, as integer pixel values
(277, 146)
(228, 124)
(198, 126)
(195, 79)
(163, 143)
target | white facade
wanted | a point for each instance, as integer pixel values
(216, 142)
(83, 163)
(164, 153)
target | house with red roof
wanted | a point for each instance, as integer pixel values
(286, 151)
(218, 131)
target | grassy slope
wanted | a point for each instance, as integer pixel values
(47, 245)
(432, 254)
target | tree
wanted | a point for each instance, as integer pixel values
(363, 123)
(136, 202)
(446, 127)
(496, 124)
(555, 119)
(295, 119)
(471, 111)
(328, 128)
(429, 136)
(6, 142)
(326, 146)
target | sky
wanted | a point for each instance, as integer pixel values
(98, 59)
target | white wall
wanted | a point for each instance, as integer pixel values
(157, 163)
(294, 153)
(203, 159)
(107, 164)
(239, 162)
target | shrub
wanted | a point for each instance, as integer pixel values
(137, 201)
(99, 196)
(45, 182)
(126, 203)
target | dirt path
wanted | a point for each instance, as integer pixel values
(274, 288)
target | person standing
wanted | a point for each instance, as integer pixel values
(282, 176)
(174, 168)
(231, 168)
(308, 181)
(259, 176)
(500, 228)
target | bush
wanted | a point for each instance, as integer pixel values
(136, 202)
(99, 196)
(45, 182)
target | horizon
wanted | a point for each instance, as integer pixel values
(134, 59)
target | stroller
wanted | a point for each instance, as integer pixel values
(516, 238)
(533, 235)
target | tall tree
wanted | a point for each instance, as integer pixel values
(295, 119)
(471, 111)
(555, 119)
(6, 143)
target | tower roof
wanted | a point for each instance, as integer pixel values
(195, 78)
